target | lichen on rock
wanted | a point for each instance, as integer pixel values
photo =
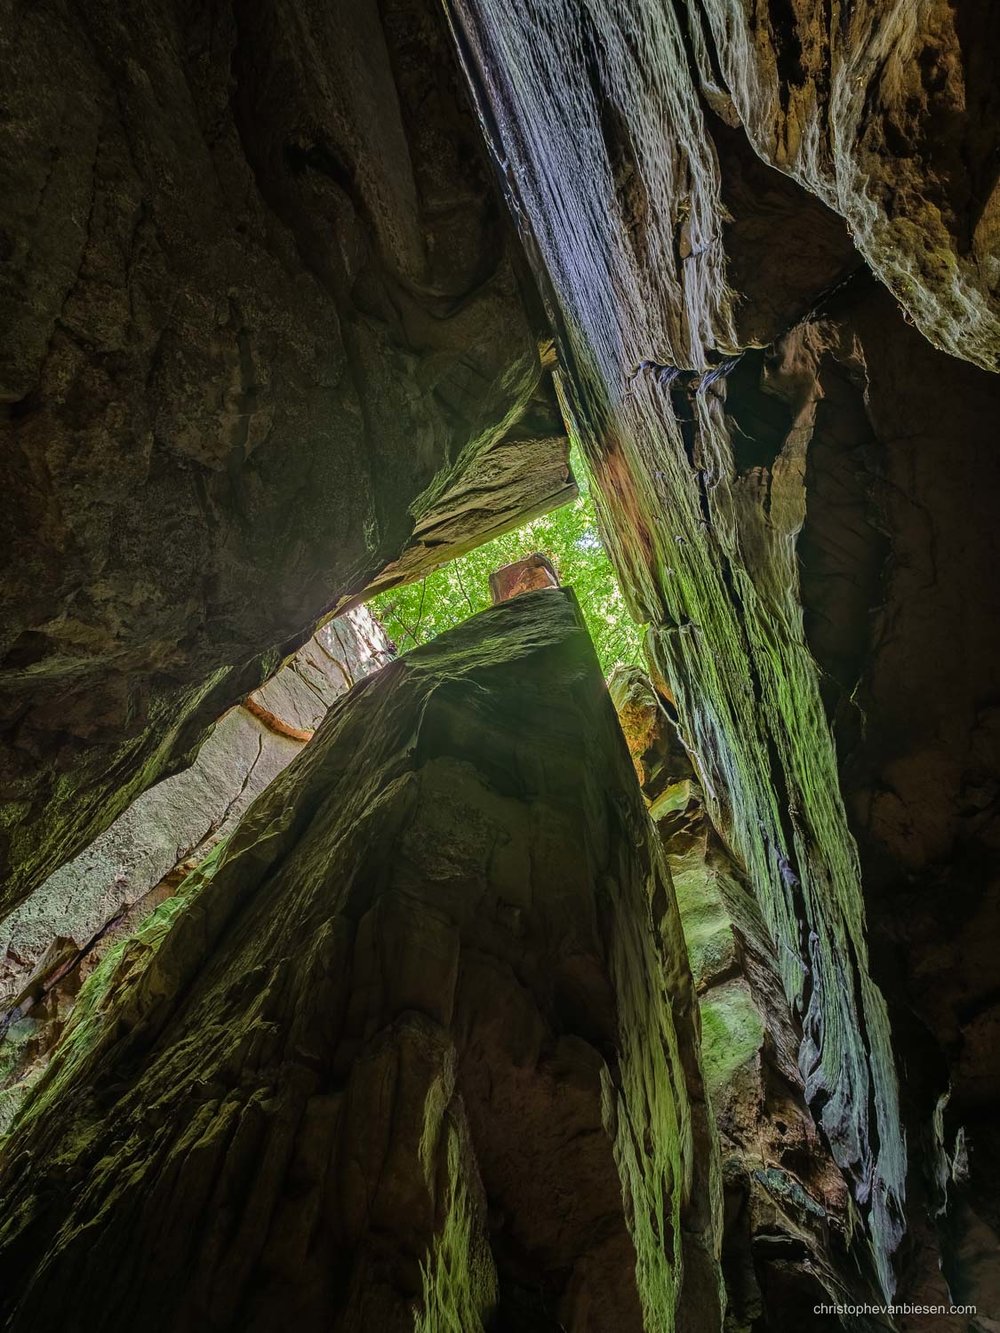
(438, 962)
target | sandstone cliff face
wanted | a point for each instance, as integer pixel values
(264, 331)
(790, 1240)
(268, 343)
(54, 941)
(416, 1048)
(763, 506)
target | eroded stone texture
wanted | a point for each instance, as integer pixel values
(264, 334)
(902, 611)
(52, 942)
(799, 493)
(617, 185)
(534, 571)
(890, 113)
(416, 1048)
(790, 520)
(789, 1242)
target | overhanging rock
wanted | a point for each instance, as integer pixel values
(265, 332)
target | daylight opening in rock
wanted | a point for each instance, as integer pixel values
(568, 536)
(610, 942)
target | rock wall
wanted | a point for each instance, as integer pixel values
(704, 202)
(269, 342)
(58, 936)
(890, 114)
(265, 331)
(790, 1238)
(415, 1048)
(916, 730)
(620, 190)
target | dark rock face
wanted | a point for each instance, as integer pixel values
(788, 1240)
(50, 944)
(916, 730)
(704, 540)
(263, 330)
(268, 343)
(415, 1049)
(772, 480)
(890, 114)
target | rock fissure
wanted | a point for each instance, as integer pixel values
(302, 302)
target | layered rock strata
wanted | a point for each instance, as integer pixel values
(54, 940)
(787, 519)
(267, 343)
(902, 612)
(789, 1240)
(617, 185)
(415, 1048)
(890, 114)
(265, 333)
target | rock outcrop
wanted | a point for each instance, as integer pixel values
(740, 384)
(790, 1241)
(902, 612)
(415, 1048)
(55, 940)
(620, 193)
(534, 571)
(271, 343)
(265, 332)
(890, 114)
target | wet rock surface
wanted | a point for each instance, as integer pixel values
(919, 757)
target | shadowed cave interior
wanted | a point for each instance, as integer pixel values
(499, 696)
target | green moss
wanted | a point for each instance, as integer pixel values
(459, 1279)
(96, 1016)
(708, 930)
(14, 1055)
(732, 1032)
(789, 1192)
(672, 800)
(655, 1139)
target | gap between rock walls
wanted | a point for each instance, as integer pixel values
(498, 667)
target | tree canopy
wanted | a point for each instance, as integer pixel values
(568, 536)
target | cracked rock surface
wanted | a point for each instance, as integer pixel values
(270, 341)
(55, 939)
(416, 1048)
(265, 328)
(738, 213)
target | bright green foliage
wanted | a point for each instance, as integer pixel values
(568, 536)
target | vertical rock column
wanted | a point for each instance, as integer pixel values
(615, 182)
(415, 1048)
(262, 330)
(790, 1240)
